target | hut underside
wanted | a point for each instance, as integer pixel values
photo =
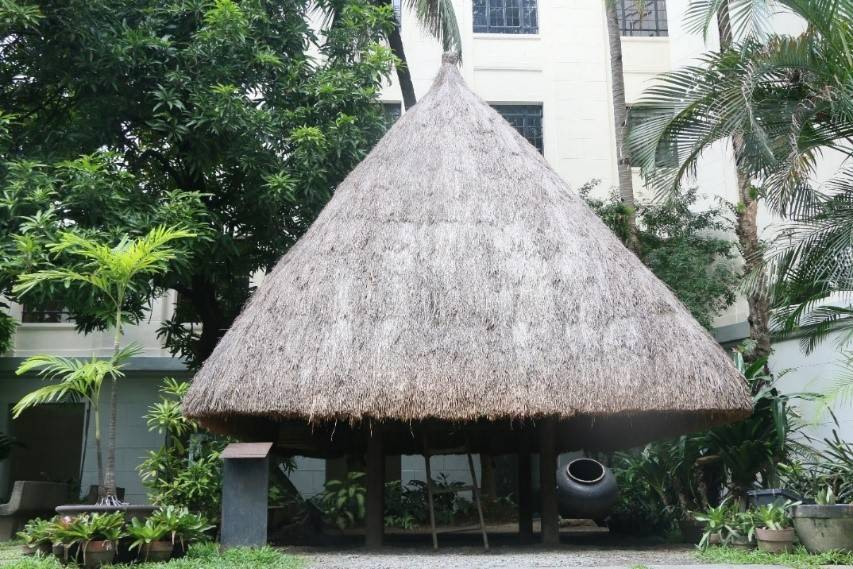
(329, 439)
(545, 437)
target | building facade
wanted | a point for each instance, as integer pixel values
(544, 65)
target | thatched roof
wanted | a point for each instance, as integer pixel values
(455, 277)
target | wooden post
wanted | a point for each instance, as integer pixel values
(525, 497)
(375, 522)
(548, 482)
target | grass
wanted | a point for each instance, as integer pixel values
(201, 556)
(798, 558)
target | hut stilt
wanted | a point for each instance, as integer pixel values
(548, 482)
(525, 497)
(375, 518)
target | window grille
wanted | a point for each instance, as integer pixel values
(650, 22)
(666, 156)
(391, 112)
(527, 120)
(48, 314)
(505, 16)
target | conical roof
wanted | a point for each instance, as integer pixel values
(455, 277)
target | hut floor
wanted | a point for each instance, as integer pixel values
(412, 549)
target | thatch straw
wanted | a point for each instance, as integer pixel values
(454, 276)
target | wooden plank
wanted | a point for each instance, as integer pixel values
(477, 501)
(525, 497)
(548, 482)
(429, 494)
(375, 519)
(246, 450)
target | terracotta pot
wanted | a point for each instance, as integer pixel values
(741, 543)
(44, 548)
(691, 530)
(715, 539)
(775, 540)
(824, 528)
(28, 550)
(98, 553)
(157, 551)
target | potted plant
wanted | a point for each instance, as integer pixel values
(741, 530)
(717, 521)
(37, 535)
(775, 533)
(103, 534)
(825, 525)
(148, 539)
(64, 542)
(181, 526)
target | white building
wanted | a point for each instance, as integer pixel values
(545, 65)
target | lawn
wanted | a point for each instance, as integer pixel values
(203, 556)
(799, 558)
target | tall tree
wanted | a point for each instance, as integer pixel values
(620, 125)
(438, 18)
(238, 109)
(111, 276)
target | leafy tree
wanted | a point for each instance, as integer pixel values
(236, 116)
(109, 275)
(680, 246)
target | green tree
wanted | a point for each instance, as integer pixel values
(782, 101)
(680, 246)
(110, 275)
(239, 116)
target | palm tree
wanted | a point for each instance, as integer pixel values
(439, 19)
(620, 124)
(110, 274)
(781, 101)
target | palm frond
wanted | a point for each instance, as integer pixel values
(439, 19)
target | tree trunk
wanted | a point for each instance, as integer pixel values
(110, 471)
(746, 226)
(407, 88)
(620, 121)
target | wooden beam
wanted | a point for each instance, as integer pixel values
(548, 482)
(375, 522)
(525, 497)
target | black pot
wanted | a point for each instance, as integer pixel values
(586, 489)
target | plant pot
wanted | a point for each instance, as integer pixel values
(715, 538)
(156, 551)
(824, 528)
(44, 548)
(691, 530)
(98, 553)
(739, 542)
(775, 540)
(28, 550)
(585, 489)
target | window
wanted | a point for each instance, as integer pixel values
(505, 17)
(667, 156)
(398, 12)
(527, 120)
(651, 22)
(50, 314)
(391, 112)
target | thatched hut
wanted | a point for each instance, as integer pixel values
(455, 286)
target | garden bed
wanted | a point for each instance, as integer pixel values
(200, 556)
(797, 558)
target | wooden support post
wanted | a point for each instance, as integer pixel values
(548, 482)
(375, 522)
(525, 497)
